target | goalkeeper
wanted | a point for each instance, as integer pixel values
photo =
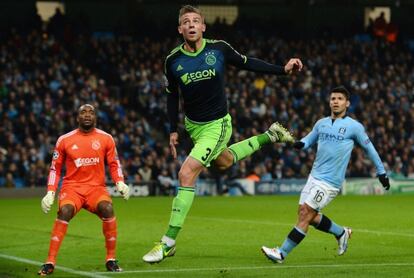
(84, 151)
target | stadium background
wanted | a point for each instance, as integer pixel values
(112, 53)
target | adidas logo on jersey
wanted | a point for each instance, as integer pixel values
(75, 147)
(179, 68)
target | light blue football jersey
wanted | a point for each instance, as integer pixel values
(335, 140)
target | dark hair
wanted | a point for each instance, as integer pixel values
(341, 90)
(188, 9)
(86, 105)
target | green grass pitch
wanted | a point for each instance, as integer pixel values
(221, 238)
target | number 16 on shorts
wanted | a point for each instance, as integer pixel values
(317, 194)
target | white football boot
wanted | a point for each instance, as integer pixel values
(343, 241)
(273, 254)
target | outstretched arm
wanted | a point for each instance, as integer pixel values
(253, 64)
(294, 65)
(310, 139)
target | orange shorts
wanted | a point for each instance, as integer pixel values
(87, 197)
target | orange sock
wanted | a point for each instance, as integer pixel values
(109, 231)
(58, 234)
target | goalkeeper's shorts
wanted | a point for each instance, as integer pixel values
(87, 197)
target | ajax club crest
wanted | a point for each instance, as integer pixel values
(96, 145)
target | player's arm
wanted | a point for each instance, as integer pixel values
(54, 175)
(363, 140)
(173, 100)
(115, 169)
(253, 64)
(172, 110)
(309, 140)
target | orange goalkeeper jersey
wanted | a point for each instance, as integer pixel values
(84, 155)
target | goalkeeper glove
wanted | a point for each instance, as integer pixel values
(385, 181)
(298, 145)
(47, 201)
(123, 189)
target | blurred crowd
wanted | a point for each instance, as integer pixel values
(45, 77)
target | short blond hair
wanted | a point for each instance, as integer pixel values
(189, 9)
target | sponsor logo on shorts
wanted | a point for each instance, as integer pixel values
(86, 161)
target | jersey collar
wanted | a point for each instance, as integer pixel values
(341, 118)
(193, 53)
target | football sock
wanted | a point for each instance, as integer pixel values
(172, 232)
(247, 147)
(167, 240)
(58, 234)
(110, 233)
(180, 207)
(294, 238)
(328, 226)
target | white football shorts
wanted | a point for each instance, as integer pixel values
(317, 194)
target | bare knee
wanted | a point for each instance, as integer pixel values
(306, 215)
(316, 220)
(186, 176)
(224, 161)
(189, 172)
(224, 164)
(105, 209)
(66, 212)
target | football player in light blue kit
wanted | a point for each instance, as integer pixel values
(335, 136)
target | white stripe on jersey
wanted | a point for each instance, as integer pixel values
(52, 178)
(65, 136)
(120, 173)
(102, 132)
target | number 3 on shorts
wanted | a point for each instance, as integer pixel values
(204, 158)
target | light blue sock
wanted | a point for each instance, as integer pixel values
(287, 246)
(293, 239)
(336, 229)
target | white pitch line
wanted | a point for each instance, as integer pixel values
(383, 233)
(62, 268)
(264, 267)
(291, 224)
